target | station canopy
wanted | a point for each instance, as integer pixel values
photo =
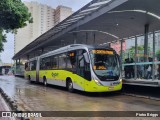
(100, 21)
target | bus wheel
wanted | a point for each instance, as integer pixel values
(45, 81)
(70, 86)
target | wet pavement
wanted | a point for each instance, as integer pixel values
(36, 97)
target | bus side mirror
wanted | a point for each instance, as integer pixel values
(86, 57)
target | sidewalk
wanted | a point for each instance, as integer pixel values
(4, 107)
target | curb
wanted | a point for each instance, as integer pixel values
(141, 96)
(12, 104)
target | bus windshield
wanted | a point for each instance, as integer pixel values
(105, 64)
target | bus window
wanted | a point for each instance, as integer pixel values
(26, 66)
(32, 65)
(62, 61)
(81, 62)
(68, 62)
(105, 64)
(41, 64)
(54, 60)
(45, 63)
(71, 59)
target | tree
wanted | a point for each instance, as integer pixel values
(13, 15)
(2, 39)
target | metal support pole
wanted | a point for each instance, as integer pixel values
(146, 46)
(146, 42)
(153, 64)
(94, 38)
(135, 67)
(121, 55)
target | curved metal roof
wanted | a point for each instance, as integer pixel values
(105, 20)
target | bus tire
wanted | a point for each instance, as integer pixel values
(70, 85)
(44, 81)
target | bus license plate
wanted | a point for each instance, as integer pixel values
(111, 88)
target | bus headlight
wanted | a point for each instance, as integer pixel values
(97, 82)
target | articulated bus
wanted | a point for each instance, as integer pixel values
(82, 67)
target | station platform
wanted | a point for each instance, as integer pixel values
(142, 82)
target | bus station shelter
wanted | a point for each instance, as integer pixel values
(131, 27)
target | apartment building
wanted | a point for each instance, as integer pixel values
(44, 18)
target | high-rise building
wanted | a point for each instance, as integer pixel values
(44, 18)
(62, 12)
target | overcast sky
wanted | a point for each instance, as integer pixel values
(8, 53)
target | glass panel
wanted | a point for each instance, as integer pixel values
(140, 57)
(105, 64)
(62, 61)
(157, 56)
(32, 65)
(129, 56)
(157, 46)
(71, 59)
(150, 47)
(54, 62)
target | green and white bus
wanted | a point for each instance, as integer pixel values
(82, 67)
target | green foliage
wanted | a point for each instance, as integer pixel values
(2, 39)
(13, 15)
(158, 54)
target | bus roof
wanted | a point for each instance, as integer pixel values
(74, 47)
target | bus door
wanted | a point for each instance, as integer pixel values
(83, 67)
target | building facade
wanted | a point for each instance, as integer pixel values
(62, 12)
(44, 18)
